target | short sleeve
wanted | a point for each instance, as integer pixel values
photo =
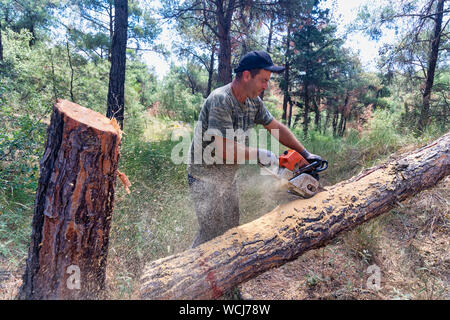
(263, 116)
(220, 117)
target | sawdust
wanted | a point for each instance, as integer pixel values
(272, 225)
(303, 218)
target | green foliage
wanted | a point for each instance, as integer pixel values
(91, 26)
(271, 102)
(177, 101)
(24, 99)
(322, 72)
(32, 77)
(413, 55)
(347, 155)
(33, 16)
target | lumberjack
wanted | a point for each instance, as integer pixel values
(236, 107)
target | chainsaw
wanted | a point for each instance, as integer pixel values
(302, 176)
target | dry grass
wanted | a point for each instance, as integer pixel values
(10, 280)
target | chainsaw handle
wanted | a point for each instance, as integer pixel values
(316, 166)
(323, 166)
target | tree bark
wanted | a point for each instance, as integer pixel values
(1, 45)
(432, 62)
(335, 121)
(316, 102)
(269, 38)
(244, 252)
(269, 43)
(211, 69)
(291, 105)
(111, 29)
(341, 124)
(69, 58)
(224, 68)
(286, 91)
(116, 89)
(73, 206)
(306, 99)
(327, 118)
(224, 15)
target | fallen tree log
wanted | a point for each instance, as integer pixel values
(73, 206)
(244, 252)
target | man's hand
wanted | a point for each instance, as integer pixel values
(267, 158)
(310, 157)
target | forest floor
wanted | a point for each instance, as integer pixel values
(410, 245)
(10, 279)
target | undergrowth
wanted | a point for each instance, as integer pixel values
(157, 219)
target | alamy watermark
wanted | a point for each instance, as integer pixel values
(74, 280)
(374, 280)
(205, 148)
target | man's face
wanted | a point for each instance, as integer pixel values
(256, 85)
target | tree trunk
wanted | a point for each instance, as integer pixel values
(116, 90)
(111, 29)
(269, 45)
(269, 38)
(55, 91)
(306, 99)
(69, 58)
(291, 104)
(211, 70)
(286, 93)
(33, 35)
(335, 121)
(316, 113)
(343, 119)
(327, 118)
(224, 68)
(432, 62)
(341, 124)
(298, 115)
(344, 127)
(224, 16)
(73, 206)
(290, 230)
(1, 45)
(285, 99)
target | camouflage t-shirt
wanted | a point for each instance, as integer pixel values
(221, 115)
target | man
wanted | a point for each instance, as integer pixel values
(231, 108)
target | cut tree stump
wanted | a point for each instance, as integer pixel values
(244, 252)
(73, 206)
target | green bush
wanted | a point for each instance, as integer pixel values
(177, 101)
(271, 102)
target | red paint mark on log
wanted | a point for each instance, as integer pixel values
(211, 278)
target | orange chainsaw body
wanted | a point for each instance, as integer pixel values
(290, 158)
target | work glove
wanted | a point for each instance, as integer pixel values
(310, 157)
(267, 158)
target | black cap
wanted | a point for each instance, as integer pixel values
(257, 60)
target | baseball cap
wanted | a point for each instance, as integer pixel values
(257, 60)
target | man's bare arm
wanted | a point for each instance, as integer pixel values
(229, 150)
(284, 135)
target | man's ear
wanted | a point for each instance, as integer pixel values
(246, 75)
